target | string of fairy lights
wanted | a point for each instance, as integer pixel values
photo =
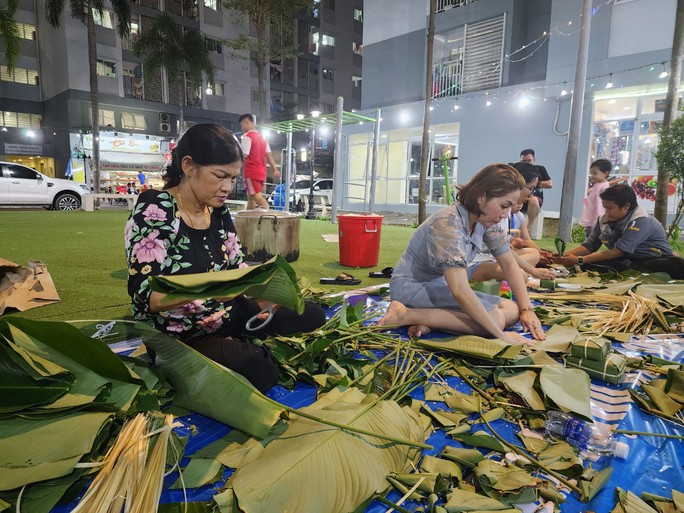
(452, 95)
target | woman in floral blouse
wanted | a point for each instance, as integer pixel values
(429, 286)
(186, 228)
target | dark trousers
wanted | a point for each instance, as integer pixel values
(672, 265)
(255, 363)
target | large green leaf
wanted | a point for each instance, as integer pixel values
(34, 450)
(98, 372)
(558, 338)
(274, 280)
(522, 384)
(463, 500)
(329, 470)
(569, 389)
(69, 341)
(197, 379)
(21, 386)
(471, 345)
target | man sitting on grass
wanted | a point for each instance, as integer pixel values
(635, 240)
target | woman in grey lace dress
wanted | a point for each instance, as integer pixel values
(429, 286)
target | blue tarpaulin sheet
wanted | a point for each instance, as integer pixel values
(654, 464)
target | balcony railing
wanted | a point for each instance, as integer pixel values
(447, 78)
(443, 5)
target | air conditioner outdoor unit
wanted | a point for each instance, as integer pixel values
(164, 117)
(165, 127)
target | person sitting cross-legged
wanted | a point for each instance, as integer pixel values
(633, 238)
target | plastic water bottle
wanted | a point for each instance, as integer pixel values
(591, 438)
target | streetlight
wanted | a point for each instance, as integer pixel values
(311, 214)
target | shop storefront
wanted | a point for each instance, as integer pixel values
(31, 155)
(124, 159)
(625, 131)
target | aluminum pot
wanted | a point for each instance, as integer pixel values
(266, 233)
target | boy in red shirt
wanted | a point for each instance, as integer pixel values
(257, 151)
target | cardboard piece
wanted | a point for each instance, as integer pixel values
(23, 288)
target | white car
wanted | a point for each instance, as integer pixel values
(21, 185)
(302, 187)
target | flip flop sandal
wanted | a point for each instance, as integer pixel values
(385, 273)
(340, 279)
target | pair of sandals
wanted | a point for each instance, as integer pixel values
(348, 279)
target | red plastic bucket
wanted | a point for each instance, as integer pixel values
(359, 239)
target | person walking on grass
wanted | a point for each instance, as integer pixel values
(257, 152)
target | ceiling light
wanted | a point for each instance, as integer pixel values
(488, 103)
(664, 73)
(610, 81)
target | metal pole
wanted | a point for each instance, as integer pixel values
(311, 214)
(337, 158)
(288, 169)
(570, 172)
(374, 165)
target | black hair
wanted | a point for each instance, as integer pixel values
(246, 116)
(603, 165)
(528, 151)
(528, 171)
(622, 194)
(206, 144)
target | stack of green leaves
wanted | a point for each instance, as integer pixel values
(274, 280)
(61, 394)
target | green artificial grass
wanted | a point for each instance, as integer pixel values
(83, 252)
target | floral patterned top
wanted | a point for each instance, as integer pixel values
(158, 242)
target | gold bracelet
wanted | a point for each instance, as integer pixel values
(525, 309)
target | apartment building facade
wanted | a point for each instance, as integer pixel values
(503, 74)
(46, 99)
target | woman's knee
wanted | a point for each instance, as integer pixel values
(510, 312)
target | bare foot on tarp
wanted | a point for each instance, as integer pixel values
(397, 315)
(418, 330)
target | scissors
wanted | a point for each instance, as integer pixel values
(250, 326)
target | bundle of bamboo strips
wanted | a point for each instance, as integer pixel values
(601, 312)
(132, 475)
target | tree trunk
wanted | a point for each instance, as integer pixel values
(261, 64)
(94, 102)
(425, 145)
(182, 95)
(671, 106)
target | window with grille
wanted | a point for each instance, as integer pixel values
(20, 120)
(356, 81)
(27, 31)
(103, 18)
(357, 48)
(213, 4)
(483, 54)
(313, 41)
(19, 75)
(214, 46)
(106, 68)
(328, 74)
(358, 14)
(106, 117)
(327, 40)
(133, 121)
(216, 89)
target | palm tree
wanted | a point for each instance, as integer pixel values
(9, 33)
(274, 26)
(82, 10)
(182, 52)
